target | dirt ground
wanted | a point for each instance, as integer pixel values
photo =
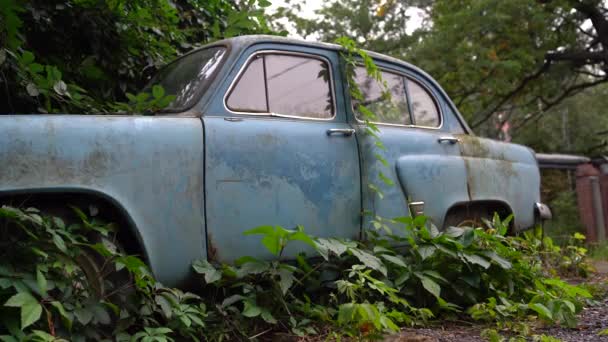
(591, 321)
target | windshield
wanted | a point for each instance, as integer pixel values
(188, 76)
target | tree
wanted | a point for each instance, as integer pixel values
(79, 55)
(518, 58)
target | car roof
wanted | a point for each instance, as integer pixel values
(242, 42)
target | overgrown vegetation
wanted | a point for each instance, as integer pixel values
(354, 288)
(83, 56)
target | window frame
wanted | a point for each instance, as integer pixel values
(259, 53)
(405, 77)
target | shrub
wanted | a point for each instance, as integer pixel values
(356, 288)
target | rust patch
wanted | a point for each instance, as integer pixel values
(212, 253)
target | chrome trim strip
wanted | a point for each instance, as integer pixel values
(270, 114)
(408, 97)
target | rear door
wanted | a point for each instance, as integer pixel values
(420, 146)
(280, 152)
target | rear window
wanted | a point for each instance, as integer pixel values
(403, 102)
(189, 76)
(389, 108)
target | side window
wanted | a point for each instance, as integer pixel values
(249, 94)
(391, 109)
(424, 108)
(286, 85)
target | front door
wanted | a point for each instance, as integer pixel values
(282, 153)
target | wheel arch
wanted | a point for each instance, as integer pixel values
(483, 207)
(109, 208)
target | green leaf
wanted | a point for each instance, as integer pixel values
(542, 311)
(30, 308)
(286, 280)
(211, 273)
(476, 259)
(32, 90)
(395, 260)
(430, 285)
(426, 251)
(251, 309)
(504, 263)
(331, 245)
(369, 260)
(27, 57)
(66, 318)
(158, 92)
(165, 305)
(41, 282)
(83, 315)
(301, 236)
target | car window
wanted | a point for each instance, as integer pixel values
(298, 86)
(188, 76)
(249, 93)
(424, 108)
(391, 109)
(286, 85)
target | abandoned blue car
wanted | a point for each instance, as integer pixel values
(263, 132)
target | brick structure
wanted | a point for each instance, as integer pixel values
(604, 190)
(592, 190)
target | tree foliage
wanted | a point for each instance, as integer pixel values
(81, 55)
(516, 58)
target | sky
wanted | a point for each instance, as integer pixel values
(309, 6)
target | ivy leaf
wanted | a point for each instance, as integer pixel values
(426, 251)
(430, 285)
(32, 90)
(158, 92)
(395, 260)
(476, 259)
(61, 88)
(165, 305)
(59, 243)
(324, 246)
(64, 315)
(286, 280)
(211, 273)
(251, 309)
(30, 308)
(369, 260)
(41, 282)
(542, 311)
(83, 315)
(502, 262)
(27, 58)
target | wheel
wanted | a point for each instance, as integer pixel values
(467, 217)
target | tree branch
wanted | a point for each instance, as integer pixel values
(488, 113)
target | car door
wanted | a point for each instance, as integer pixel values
(420, 147)
(278, 151)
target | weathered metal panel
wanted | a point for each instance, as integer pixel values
(278, 172)
(421, 168)
(503, 172)
(153, 167)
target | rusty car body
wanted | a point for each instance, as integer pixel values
(263, 132)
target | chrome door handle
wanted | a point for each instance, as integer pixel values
(347, 132)
(449, 140)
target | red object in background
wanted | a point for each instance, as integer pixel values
(604, 190)
(589, 184)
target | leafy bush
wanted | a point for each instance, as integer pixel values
(357, 288)
(81, 56)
